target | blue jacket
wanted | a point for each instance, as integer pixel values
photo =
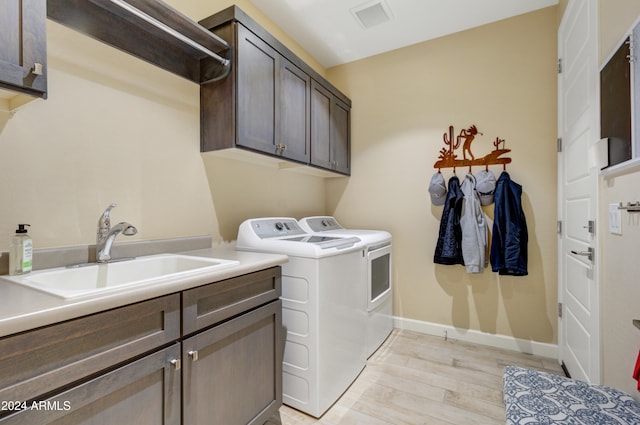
(510, 238)
(449, 247)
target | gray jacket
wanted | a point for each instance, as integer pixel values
(474, 228)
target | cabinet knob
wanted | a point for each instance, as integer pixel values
(194, 355)
(37, 69)
(176, 364)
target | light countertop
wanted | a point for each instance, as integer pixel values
(23, 308)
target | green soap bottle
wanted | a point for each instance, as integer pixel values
(20, 252)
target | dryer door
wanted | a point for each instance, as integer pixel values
(379, 276)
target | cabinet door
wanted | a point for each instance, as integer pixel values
(23, 45)
(257, 93)
(144, 392)
(330, 130)
(340, 142)
(233, 372)
(321, 101)
(295, 109)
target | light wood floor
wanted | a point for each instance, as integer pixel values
(417, 379)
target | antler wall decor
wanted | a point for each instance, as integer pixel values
(449, 159)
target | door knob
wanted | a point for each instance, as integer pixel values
(588, 253)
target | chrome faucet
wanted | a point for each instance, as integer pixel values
(107, 234)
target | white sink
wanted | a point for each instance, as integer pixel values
(110, 277)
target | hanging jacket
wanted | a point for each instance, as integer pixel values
(510, 238)
(448, 249)
(473, 224)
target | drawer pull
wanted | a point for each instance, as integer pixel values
(37, 69)
(194, 355)
(176, 364)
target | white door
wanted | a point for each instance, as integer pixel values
(579, 129)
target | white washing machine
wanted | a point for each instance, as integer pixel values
(325, 320)
(378, 294)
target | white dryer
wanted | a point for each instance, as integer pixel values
(322, 311)
(378, 295)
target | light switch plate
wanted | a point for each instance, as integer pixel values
(615, 219)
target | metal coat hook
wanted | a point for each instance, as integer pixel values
(630, 207)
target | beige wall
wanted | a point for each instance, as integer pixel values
(112, 130)
(116, 129)
(620, 287)
(500, 77)
(616, 17)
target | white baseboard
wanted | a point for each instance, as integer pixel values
(477, 337)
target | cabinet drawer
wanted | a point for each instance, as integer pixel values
(36, 362)
(211, 304)
(146, 391)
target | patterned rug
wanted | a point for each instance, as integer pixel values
(533, 397)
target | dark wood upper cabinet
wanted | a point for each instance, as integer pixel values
(270, 97)
(266, 103)
(295, 104)
(257, 97)
(330, 131)
(272, 100)
(341, 142)
(23, 53)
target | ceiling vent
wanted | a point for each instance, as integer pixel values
(371, 14)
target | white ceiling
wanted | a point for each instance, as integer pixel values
(328, 30)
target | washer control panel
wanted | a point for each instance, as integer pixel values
(276, 227)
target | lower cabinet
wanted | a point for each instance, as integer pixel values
(44, 360)
(232, 371)
(146, 391)
(208, 355)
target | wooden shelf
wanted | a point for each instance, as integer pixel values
(118, 27)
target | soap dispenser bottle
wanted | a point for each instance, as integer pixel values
(21, 252)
